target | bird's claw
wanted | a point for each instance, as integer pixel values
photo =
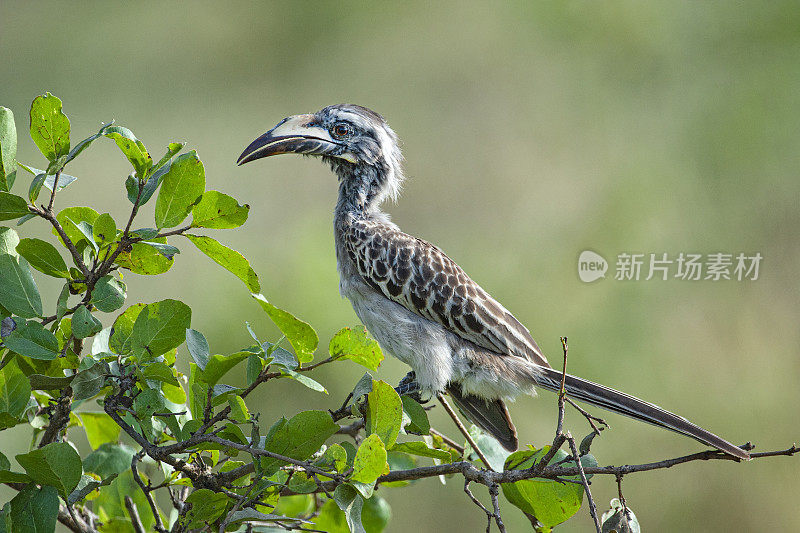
(409, 386)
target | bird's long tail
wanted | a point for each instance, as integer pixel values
(625, 404)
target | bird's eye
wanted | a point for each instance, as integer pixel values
(341, 130)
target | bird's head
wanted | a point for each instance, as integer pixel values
(357, 142)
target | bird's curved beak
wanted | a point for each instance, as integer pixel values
(297, 134)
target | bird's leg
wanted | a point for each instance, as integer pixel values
(409, 386)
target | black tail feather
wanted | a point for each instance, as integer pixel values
(625, 404)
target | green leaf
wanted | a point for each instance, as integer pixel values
(301, 335)
(254, 366)
(36, 187)
(160, 327)
(42, 177)
(218, 210)
(132, 147)
(356, 345)
(198, 347)
(32, 340)
(228, 258)
(167, 250)
(370, 461)
(305, 380)
(8, 241)
(160, 372)
(44, 257)
(84, 324)
(421, 449)
(109, 460)
(549, 501)
(218, 365)
(57, 465)
(298, 438)
(87, 383)
(18, 292)
(417, 415)
(384, 412)
(239, 412)
(144, 259)
(181, 188)
(351, 504)
(330, 519)
(12, 206)
(335, 457)
(84, 144)
(148, 402)
(110, 504)
(15, 390)
(22, 220)
(104, 229)
(206, 506)
(70, 217)
(88, 235)
(35, 510)
(120, 340)
(491, 448)
(42, 382)
(100, 428)
(108, 294)
(86, 486)
(172, 149)
(8, 149)
(49, 126)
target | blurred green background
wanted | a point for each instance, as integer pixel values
(532, 131)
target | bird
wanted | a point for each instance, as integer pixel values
(420, 305)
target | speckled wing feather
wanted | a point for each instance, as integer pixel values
(420, 277)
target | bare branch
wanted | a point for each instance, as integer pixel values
(584, 481)
(133, 512)
(463, 430)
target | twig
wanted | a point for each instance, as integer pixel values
(60, 417)
(463, 430)
(133, 512)
(589, 417)
(447, 440)
(48, 215)
(159, 526)
(494, 491)
(476, 501)
(584, 481)
(53, 192)
(619, 492)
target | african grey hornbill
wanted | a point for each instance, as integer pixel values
(418, 303)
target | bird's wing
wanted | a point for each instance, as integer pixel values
(421, 278)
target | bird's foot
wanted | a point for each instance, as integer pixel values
(409, 386)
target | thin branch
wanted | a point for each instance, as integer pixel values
(53, 192)
(584, 481)
(476, 501)
(159, 526)
(60, 417)
(494, 491)
(133, 512)
(76, 257)
(463, 430)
